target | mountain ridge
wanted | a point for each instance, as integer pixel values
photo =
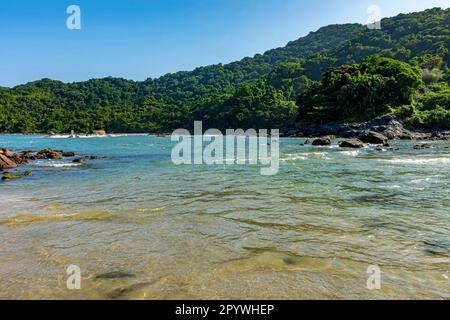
(250, 89)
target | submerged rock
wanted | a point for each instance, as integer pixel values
(114, 275)
(79, 160)
(68, 154)
(422, 146)
(290, 260)
(352, 143)
(12, 176)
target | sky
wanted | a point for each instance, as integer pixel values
(138, 39)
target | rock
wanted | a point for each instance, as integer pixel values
(79, 160)
(373, 137)
(422, 147)
(352, 143)
(324, 141)
(27, 155)
(96, 157)
(68, 154)
(11, 176)
(114, 275)
(122, 291)
(99, 132)
(388, 125)
(290, 260)
(7, 160)
(48, 154)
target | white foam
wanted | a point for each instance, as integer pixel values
(292, 157)
(350, 153)
(421, 161)
(58, 165)
(118, 135)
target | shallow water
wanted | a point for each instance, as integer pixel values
(226, 232)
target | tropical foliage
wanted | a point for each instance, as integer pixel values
(338, 73)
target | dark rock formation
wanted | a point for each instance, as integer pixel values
(79, 160)
(422, 146)
(96, 157)
(373, 137)
(352, 143)
(388, 125)
(324, 141)
(48, 154)
(7, 160)
(68, 154)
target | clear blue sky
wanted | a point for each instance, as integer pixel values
(137, 39)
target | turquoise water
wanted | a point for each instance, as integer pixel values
(226, 232)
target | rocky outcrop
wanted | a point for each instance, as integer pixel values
(324, 141)
(49, 154)
(373, 137)
(11, 160)
(388, 125)
(352, 143)
(7, 159)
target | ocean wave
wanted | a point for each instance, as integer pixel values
(350, 153)
(58, 165)
(292, 157)
(420, 161)
(118, 135)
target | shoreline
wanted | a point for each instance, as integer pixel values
(388, 125)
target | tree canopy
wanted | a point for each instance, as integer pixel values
(338, 73)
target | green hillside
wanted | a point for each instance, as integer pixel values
(338, 73)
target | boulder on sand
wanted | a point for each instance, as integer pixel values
(352, 143)
(373, 137)
(324, 141)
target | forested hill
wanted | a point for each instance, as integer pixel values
(224, 78)
(338, 73)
